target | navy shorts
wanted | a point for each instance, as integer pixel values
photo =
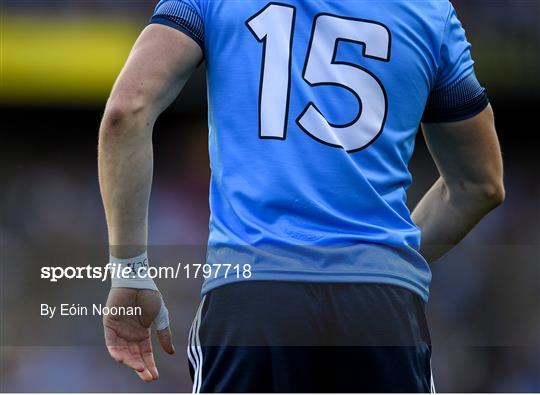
(303, 337)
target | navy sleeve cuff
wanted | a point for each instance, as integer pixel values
(457, 102)
(182, 17)
(168, 22)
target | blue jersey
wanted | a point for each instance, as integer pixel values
(313, 111)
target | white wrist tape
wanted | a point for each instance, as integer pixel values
(131, 273)
(162, 319)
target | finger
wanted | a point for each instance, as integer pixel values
(119, 350)
(135, 360)
(165, 339)
(115, 350)
(145, 375)
(145, 348)
(124, 354)
(119, 354)
(137, 364)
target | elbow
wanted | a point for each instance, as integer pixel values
(493, 194)
(486, 195)
(123, 115)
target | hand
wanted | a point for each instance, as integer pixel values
(128, 337)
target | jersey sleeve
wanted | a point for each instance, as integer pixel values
(183, 15)
(457, 95)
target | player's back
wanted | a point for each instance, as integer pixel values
(313, 111)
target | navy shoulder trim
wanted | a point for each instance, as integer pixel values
(459, 101)
(181, 16)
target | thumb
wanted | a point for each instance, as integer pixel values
(164, 329)
(165, 339)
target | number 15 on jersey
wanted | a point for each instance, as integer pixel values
(273, 26)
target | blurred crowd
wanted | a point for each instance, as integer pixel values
(484, 310)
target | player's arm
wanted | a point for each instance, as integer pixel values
(468, 157)
(157, 68)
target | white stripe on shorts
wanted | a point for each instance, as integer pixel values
(432, 382)
(194, 349)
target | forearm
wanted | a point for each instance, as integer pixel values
(125, 161)
(446, 214)
(159, 65)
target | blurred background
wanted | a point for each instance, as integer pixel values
(58, 62)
